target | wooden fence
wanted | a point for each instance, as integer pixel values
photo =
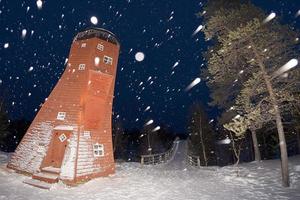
(155, 159)
(194, 161)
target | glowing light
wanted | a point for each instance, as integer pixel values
(270, 17)
(97, 61)
(193, 84)
(6, 45)
(139, 56)
(94, 20)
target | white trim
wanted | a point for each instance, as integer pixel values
(81, 67)
(108, 60)
(64, 128)
(62, 137)
(100, 47)
(98, 150)
(61, 116)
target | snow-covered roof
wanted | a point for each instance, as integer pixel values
(64, 127)
(99, 33)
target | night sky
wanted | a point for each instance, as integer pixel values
(162, 30)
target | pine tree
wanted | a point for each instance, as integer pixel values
(201, 135)
(250, 52)
(4, 125)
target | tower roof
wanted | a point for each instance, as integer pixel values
(99, 33)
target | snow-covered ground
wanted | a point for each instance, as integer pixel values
(134, 182)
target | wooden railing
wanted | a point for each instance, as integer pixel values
(155, 159)
(194, 161)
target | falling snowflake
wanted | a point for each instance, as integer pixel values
(6, 45)
(24, 32)
(148, 108)
(270, 17)
(156, 129)
(30, 69)
(149, 122)
(298, 13)
(176, 64)
(200, 27)
(194, 83)
(225, 141)
(39, 4)
(288, 66)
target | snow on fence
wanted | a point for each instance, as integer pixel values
(154, 159)
(194, 161)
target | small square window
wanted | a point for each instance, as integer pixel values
(98, 150)
(100, 47)
(83, 45)
(81, 67)
(61, 116)
(107, 60)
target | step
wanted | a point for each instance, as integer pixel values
(46, 177)
(52, 170)
(37, 183)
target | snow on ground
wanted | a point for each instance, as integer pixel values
(134, 182)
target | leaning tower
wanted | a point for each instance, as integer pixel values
(70, 138)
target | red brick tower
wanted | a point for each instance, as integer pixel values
(70, 138)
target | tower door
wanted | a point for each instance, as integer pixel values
(60, 142)
(57, 148)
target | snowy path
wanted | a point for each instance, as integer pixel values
(178, 161)
(134, 182)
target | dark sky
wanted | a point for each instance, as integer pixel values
(162, 30)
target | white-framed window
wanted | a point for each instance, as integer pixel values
(62, 137)
(83, 45)
(98, 150)
(61, 115)
(107, 60)
(81, 67)
(100, 47)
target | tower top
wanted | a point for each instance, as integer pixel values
(99, 33)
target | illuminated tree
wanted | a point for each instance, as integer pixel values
(248, 60)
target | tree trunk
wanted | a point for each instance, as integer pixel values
(298, 140)
(202, 142)
(236, 149)
(282, 142)
(115, 142)
(255, 146)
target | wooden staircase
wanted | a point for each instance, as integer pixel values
(45, 178)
